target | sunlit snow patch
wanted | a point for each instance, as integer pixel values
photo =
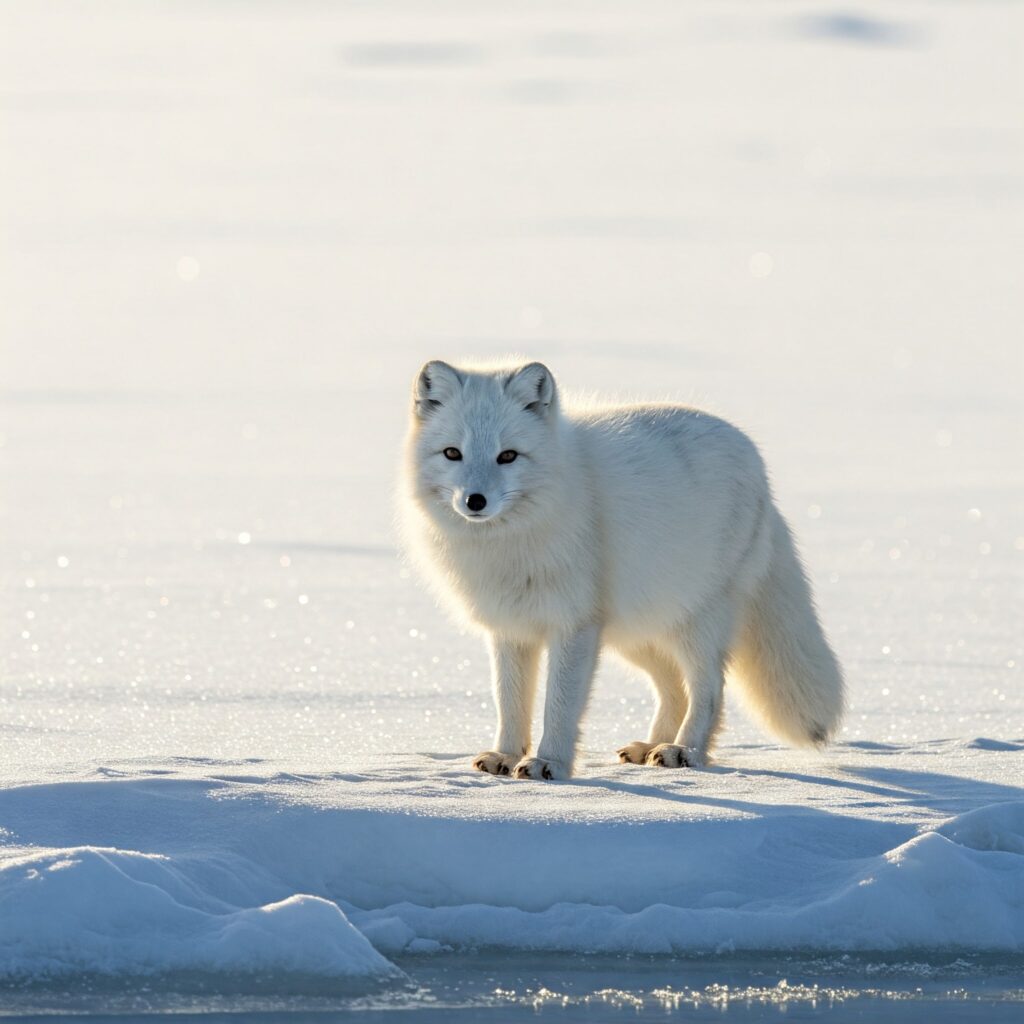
(116, 912)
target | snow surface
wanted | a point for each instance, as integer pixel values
(231, 867)
(118, 911)
(235, 732)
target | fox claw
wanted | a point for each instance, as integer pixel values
(494, 763)
(535, 768)
(635, 752)
(670, 755)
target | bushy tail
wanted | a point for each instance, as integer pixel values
(782, 661)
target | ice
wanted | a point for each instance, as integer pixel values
(236, 733)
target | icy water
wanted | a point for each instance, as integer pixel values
(501, 988)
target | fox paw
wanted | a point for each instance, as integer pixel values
(537, 768)
(670, 755)
(493, 763)
(635, 752)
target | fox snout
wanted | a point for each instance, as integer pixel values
(471, 505)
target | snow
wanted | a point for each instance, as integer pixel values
(235, 732)
(234, 867)
(108, 911)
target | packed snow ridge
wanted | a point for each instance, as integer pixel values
(206, 868)
(91, 909)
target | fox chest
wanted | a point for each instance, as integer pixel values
(519, 594)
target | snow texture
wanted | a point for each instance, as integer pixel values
(105, 911)
(236, 734)
(227, 868)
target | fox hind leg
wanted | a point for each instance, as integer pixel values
(667, 676)
(702, 649)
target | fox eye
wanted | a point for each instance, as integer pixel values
(452, 454)
(507, 456)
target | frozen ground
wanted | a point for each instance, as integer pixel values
(235, 733)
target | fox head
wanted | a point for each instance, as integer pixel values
(483, 443)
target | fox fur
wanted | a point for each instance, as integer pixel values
(649, 529)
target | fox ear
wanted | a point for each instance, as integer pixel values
(534, 386)
(436, 384)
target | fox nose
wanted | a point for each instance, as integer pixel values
(476, 502)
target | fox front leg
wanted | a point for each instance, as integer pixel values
(514, 672)
(572, 659)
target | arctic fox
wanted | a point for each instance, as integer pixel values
(649, 529)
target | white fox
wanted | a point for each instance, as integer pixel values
(649, 529)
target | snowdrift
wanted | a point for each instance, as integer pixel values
(106, 911)
(200, 868)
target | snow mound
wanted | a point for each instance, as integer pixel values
(984, 743)
(958, 887)
(106, 911)
(999, 827)
(425, 854)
